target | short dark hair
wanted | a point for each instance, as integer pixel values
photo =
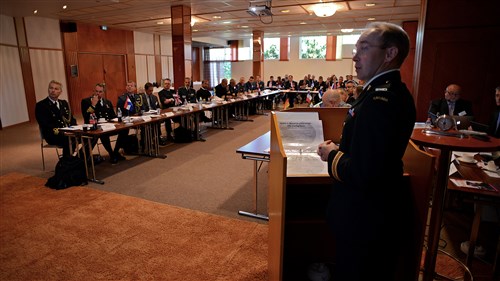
(147, 86)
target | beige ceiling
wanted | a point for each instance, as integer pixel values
(234, 21)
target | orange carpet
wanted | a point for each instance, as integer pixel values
(84, 234)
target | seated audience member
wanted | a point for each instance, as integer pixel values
(279, 82)
(340, 83)
(357, 91)
(350, 86)
(320, 84)
(233, 88)
(241, 87)
(312, 82)
(271, 83)
(333, 98)
(151, 103)
(129, 103)
(102, 108)
(53, 113)
(304, 83)
(259, 84)
(451, 103)
(167, 100)
(250, 84)
(186, 92)
(292, 86)
(203, 93)
(494, 125)
(222, 89)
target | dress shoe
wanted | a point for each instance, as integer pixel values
(163, 142)
(113, 161)
(119, 157)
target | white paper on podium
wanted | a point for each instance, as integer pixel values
(301, 133)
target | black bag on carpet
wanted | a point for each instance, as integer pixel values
(70, 171)
(131, 145)
(183, 135)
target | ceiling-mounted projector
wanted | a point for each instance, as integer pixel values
(260, 8)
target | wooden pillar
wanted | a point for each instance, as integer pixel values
(258, 53)
(331, 48)
(284, 47)
(24, 56)
(156, 41)
(409, 64)
(196, 64)
(181, 43)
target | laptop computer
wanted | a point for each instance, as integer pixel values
(463, 122)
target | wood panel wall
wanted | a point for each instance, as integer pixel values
(101, 54)
(460, 45)
(408, 66)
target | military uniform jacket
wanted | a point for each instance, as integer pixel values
(104, 110)
(220, 90)
(462, 107)
(204, 94)
(49, 117)
(166, 94)
(368, 166)
(187, 94)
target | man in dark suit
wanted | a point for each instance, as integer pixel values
(129, 103)
(222, 89)
(186, 93)
(151, 103)
(102, 108)
(167, 100)
(494, 126)
(292, 86)
(451, 104)
(203, 93)
(368, 208)
(53, 113)
(271, 83)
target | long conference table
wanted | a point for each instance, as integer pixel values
(190, 118)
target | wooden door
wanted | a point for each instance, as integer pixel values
(115, 76)
(90, 73)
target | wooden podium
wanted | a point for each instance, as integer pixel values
(298, 231)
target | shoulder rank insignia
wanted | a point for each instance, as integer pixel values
(381, 89)
(381, 98)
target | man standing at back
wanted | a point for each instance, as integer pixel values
(53, 113)
(369, 212)
(451, 103)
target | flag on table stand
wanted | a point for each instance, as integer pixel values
(128, 105)
(320, 94)
(308, 98)
(286, 104)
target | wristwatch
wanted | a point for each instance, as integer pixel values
(445, 122)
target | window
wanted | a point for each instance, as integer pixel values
(271, 48)
(345, 45)
(217, 65)
(313, 47)
(245, 50)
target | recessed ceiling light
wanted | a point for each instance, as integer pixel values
(64, 7)
(159, 22)
(370, 4)
(226, 22)
(216, 17)
(244, 26)
(285, 11)
(195, 30)
(370, 19)
(35, 12)
(347, 30)
(303, 22)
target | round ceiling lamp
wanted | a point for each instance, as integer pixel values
(324, 10)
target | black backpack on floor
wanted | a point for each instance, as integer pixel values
(183, 135)
(70, 171)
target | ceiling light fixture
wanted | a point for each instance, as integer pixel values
(64, 7)
(347, 30)
(370, 4)
(216, 17)
(324, 10)
(285, 11)
(35, 12)
(159, 22)
(370, 19)
(303, 22)
(193, 21)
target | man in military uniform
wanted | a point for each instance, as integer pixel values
(368, 211)
(102, 108)
(53, 113)
(186, 93)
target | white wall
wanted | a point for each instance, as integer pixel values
(145, 68)
(167, 60)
